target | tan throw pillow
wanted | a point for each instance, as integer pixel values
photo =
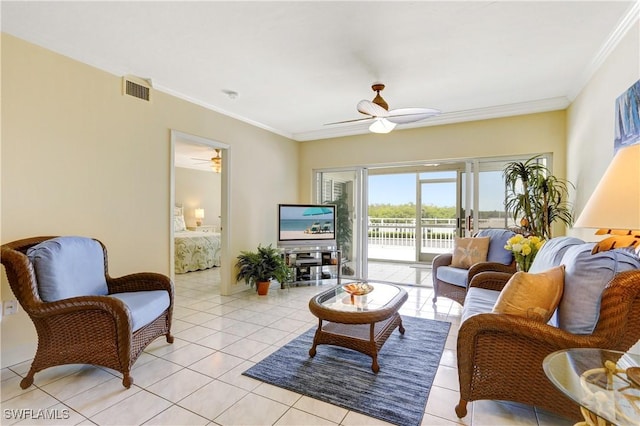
(533, 296)
(469, 251)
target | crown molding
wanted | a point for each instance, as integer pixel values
(626, 23)
(521, 108)
(219, 110)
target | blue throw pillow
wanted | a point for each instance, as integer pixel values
(497, 240)
(68, 267)
(585, 277)
(551, 253)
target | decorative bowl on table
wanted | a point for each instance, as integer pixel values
(358, 289)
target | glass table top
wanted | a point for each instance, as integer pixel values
(339, 299)
(602, 381)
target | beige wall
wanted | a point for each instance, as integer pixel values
(590, 120)
(79, 158)
(198, 189)
(519, 135)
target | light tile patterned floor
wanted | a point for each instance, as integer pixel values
(198, 380)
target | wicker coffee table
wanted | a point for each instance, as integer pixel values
(362, 323)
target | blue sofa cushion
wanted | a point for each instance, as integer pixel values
(498, 239)
(479, 301)
(586, 276)
(451, 275)
(550, 254)
(68, 267)
(144, 306)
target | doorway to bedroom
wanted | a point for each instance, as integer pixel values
(198, 205)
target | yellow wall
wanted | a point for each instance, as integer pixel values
(79, 158)
(519, 135)
(198, 189)
(590, 120)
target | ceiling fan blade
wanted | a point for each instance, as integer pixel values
(409, 115)
(350, 121)
(369, 108)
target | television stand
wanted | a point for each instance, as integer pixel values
(312, 265)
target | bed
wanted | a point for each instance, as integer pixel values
(194, 251)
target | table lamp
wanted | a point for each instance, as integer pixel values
(199, 216)
(614, 206)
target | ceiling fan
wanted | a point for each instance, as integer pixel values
(384, 120)
(216, 161)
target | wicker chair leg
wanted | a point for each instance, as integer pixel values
(28, 380)
(169, 338)
(127, 380)
(461, 408)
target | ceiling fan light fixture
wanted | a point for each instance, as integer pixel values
(382, 125)
(216, 162)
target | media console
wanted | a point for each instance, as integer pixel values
(312, 265)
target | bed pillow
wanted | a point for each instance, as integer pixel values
(469, 251)
(533, 296)
(178, 224)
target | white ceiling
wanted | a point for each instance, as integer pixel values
(299, 65)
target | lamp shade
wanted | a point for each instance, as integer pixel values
(615, 203)
(199, 214)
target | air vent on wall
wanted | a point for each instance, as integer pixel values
(136, 87)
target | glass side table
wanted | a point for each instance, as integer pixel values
(604, 383)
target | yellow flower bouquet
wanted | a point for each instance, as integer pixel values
(524, 250)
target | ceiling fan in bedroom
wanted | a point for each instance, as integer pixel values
(383, 120)
(216, 161)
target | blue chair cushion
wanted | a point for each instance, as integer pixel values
(68, 267)
(451, 275)
(550, 254)
(144, 306)
(498, 239)
(585, 277)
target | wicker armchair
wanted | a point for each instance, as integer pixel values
(86, 329)
(500, 356)
(457, 291)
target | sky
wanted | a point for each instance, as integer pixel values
(401, 189)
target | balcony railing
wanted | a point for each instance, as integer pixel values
(396, 238)
(401, 232)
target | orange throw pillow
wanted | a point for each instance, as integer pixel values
(533, 296)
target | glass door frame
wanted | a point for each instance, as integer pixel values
(421, 256)
(359, 220)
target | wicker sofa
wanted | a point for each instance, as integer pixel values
(500, 356)
(81, 314)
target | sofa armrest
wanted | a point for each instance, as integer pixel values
(490, 280)
(491, 267)
(503, 354)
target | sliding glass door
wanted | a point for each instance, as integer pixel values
(345, 189)
(414, 214)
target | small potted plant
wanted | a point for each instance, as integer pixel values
(258, 268)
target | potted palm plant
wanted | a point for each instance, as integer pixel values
(536, 197)
(258, 268)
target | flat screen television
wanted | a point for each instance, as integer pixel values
(306, 225)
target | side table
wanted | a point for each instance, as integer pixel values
(603, 382)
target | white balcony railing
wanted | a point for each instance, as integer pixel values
(396, 238)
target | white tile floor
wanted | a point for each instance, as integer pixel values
(198, 381)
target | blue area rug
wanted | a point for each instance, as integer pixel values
(397, 394)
